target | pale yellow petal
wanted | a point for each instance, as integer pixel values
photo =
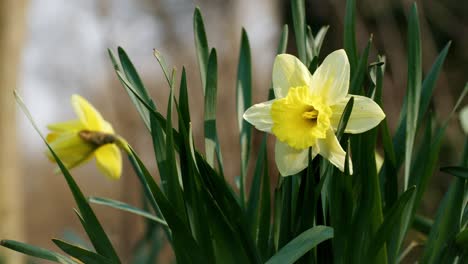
(259, 115)
(464, 119)
(331, 149)
(331, 80)
(88, 115)
(70, 148)
(73, 125)
(290, 160)
(366, 114)
(109, 160)
(288, 71)
(378, 161)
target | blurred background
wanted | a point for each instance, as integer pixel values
(51, 49)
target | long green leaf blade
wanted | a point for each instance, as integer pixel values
(413, 92)
(201, 44)
(298, 16)
(301, 245)
(244, 101)
(82, 254)
(350, 34)
(37, 252)
(127, 208)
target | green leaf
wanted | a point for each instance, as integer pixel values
(37, 252)
(244, 101)
(212, 145)
(400, 210)
(462, 239)
(127, 208)
(201, 44)
(422, 224)
(358, 75)
(184, 100)
(413, 91)
(92, 226)
(82, 254)
(180, 232)
(301, 245)
(344, 118)
(427, 91)
(255, 188)
(446, 225)
(226, 205)
(283, 43)
(318, 40)
(458, 171)
(299, 22)
(350, 34)
(162, 62)
(174, 190)
(131, 75)
(258, 210)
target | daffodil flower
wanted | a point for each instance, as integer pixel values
(464, 119)
(307, 110)
(77, 141)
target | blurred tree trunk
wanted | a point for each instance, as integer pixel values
(12, 27)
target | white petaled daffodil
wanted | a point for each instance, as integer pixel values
(307, 109)
(464, 119)
(77, 141)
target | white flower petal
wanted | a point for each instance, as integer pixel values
(464, 119)
(289, 71)
(290, 160)
(366, 114)
(259, 115)
(331, 149)
(331, 80)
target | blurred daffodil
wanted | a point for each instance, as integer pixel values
(307, 110)
(464, 119)
(77, 141)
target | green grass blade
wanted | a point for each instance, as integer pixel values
(299, 23)
(127, 208)
(80, 253)
(301, 245)
(201, 45)
(244, 101)
(37, 252)
(413, 92)
(350, 34)
(92, 226)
